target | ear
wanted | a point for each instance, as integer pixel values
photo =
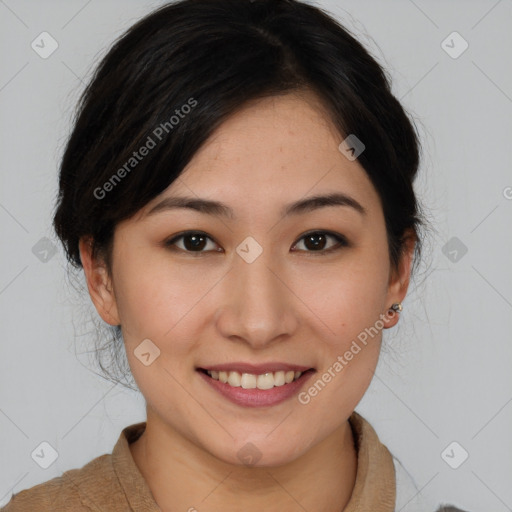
(400, 277)
(99, 283)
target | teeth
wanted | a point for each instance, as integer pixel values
(251, 381)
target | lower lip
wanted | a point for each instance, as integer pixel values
(257, 397)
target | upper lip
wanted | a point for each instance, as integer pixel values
(256, 369)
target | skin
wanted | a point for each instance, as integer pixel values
(292, 304)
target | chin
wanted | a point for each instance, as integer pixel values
(259, 451)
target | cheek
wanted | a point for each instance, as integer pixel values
(351, 296)
(153, 303)
(151, 296)
(351, 303)
(352, 310)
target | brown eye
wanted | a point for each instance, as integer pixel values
(197, 242)
(193, 241)
(318, 240)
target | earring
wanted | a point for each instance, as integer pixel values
(397, 307)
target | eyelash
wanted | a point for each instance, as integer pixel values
(342, 242)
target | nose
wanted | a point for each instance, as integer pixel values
(258, 305)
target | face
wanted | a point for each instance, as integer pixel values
(255, 284)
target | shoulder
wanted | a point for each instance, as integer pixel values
(84, 489)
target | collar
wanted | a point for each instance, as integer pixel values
(374, 490)
(375, 487)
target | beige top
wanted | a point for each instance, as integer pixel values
(113, 482)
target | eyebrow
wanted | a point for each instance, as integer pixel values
(222, 210)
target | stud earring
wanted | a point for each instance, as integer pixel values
(397, 307)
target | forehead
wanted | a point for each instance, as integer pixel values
(274, 150)
(279, 137)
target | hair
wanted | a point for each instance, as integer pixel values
(177, 74)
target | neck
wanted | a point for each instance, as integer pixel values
(183, 476)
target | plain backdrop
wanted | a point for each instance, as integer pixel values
(444, 374)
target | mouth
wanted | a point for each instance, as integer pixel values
(263, 380)
(256, 385)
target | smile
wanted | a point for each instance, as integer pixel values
(259, 389)
(251, 381)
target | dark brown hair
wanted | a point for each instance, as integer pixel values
(186, 67)
(179, 73)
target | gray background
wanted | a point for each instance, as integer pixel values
(444, 375)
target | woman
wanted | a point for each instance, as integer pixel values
(238, 189)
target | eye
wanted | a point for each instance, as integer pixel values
(197, 242)
(193, 241)
(315, 241)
